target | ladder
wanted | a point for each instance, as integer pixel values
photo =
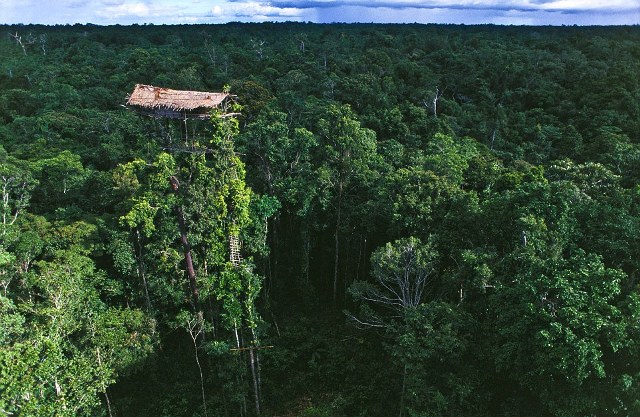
(234, 250)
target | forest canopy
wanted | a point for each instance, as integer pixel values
(412, 220)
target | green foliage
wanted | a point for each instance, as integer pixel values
(434, 346)
(73, 345)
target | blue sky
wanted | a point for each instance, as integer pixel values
(507, 12)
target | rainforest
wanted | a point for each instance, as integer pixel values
(378, 220)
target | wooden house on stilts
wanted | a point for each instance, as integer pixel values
(183, 111)
(161, 102)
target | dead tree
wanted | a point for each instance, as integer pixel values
(432, 103)
(258, 48)
(23, 43)
(42, 40)
(18, 40)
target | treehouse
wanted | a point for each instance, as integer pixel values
(179, 118)
(166, 103)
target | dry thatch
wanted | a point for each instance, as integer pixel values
(164, 102)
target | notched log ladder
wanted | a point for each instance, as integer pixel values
(234, 251)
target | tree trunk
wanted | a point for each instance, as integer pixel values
(255, 371)
(254, 374)
(106, 397)
(142, 271)
(204, 399)
(275, 252)
(337, 248)
(194, 327)
(239, 343)
(404, 381)
(306, 252)
(191, 273)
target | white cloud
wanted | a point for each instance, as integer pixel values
(254, 11)
(148, 11)
(579, 5)
(125, 9)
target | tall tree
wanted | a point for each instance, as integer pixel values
(348, 154)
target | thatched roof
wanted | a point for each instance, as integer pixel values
(164, 102)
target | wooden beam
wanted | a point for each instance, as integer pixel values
(250, 348)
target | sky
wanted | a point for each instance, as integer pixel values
(501, 12)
